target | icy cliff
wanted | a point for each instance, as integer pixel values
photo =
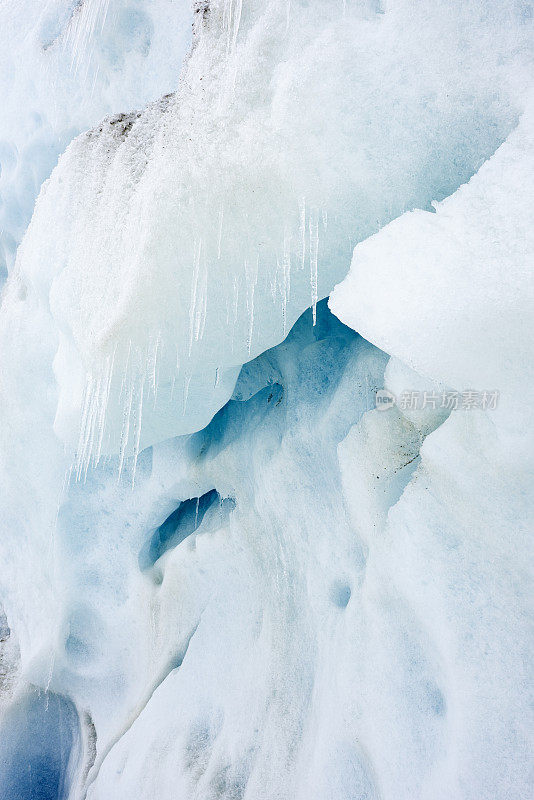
(227, 571)
(238, 199)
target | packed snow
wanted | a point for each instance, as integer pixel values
(451, 293)
(64, 64)
(266, 460)
(238, 199)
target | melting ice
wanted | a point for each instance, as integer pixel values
(224, 573)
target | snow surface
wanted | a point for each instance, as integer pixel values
(451, 293)
(224, 573)
(64, 64)
(239, 198)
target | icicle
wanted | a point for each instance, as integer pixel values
(83, 427)
(200, 314)
(227, 23)
(110, 363)
(155, 366)
(232, 32)
(287, 263)
(105, 15)
(280, 290)
(126, 368)
(194, 290)
(186, 392)
(314, 253)
(89, 425)
(237, 22)
(272, 284)
(93, 424)
(138, 421)
(219, 239)
(125, 432)
(251, 277)
(82, 29)
(302, 232)
(67, 480)
(49, 679)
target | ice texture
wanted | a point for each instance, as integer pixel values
(64, 64)
(224, 572)
(342, 609)
(451, 293)
(39, 747)
(191, 235)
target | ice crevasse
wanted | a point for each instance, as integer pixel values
(226, 573)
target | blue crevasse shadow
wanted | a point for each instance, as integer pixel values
(40, 745)
(307, 365)
(293, 378)
(184, 520)
(232, 419)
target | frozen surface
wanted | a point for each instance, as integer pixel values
(415, 625)
(266, 588)
(331, 574)
(39, 747)
(238, 199)
(64, 64)
(451, 293)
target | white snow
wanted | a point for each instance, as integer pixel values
(451, 293)
(63, 66)
(224, 573)
(189, 238)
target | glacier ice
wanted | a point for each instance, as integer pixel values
(479, 242)
(39, 746)
(64, 64)
(225, 572)
(253, 180)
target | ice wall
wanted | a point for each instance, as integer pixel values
(189, 237)
(63, 65)
(39, 747)
(451, 293)
(300, 597)
(340, 609)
